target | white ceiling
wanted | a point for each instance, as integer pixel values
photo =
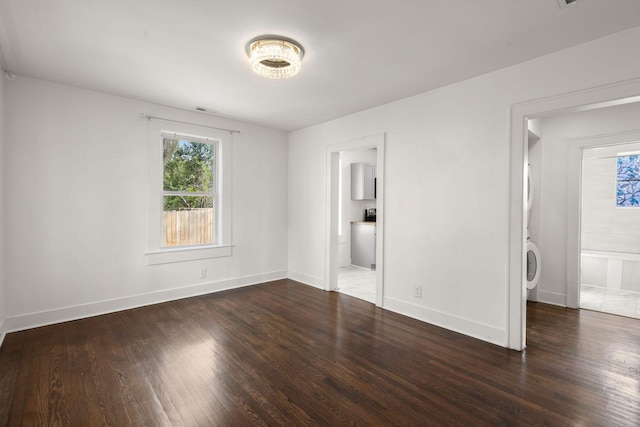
(359, 53)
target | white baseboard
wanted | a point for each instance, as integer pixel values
(444, 320)
(448, 321)
(552, 298)
(2, 332)
(33, 320)
(306, 279)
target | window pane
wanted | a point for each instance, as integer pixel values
(188, 220)
(628, 181)
(628, 168)
(188, 165)
(628, 193)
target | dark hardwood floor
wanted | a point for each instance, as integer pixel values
(283, 353)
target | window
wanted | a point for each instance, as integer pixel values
(189, 192)
(628, 181)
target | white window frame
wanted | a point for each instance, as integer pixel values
(223, 246)
(213, 193)
(340, 195)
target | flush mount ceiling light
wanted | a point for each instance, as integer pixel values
(274, 57)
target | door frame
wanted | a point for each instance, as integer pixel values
(598, 97)
(376, 141)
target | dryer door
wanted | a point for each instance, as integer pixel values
(533, 265)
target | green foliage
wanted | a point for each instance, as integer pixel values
(188, 167)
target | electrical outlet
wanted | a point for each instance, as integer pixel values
(417, 292)
(203, 273)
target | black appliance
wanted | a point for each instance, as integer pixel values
(370, 214)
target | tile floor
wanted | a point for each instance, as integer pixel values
(623, 303)
(358, 282)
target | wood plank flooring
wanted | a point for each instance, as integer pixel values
(283, 353)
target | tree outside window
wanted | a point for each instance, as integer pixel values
(189, 191)
(628, 181)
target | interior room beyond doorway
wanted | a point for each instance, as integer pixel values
(357, 224)
(610, 229)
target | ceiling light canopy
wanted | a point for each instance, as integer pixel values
(274, 57)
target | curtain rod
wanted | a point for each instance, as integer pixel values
(148, 117)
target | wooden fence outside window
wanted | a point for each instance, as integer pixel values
(189, 227)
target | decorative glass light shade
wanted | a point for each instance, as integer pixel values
(274, 57)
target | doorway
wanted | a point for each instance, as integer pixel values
(610, 227)
(347, 219)
(607, 241)
(600, 97)
(357, 208)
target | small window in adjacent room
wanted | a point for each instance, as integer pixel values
(628, 181)
(189, 191)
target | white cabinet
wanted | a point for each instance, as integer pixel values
(363, 181)
(363, 244)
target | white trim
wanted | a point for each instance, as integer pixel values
(614, 274)
(624, 256)
(447, 321)
(305, 279)
(517, 281)
(331, 225)
(552, 298)
(182, 254)
(341, 235)
(613, 94)
(64, 314)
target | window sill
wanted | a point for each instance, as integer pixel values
(167, 256)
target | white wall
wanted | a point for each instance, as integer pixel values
(3, 303)
(535, 179)
(447, 189)
(605, 227)
(76, 207)
(353, 210)
(558, 132)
